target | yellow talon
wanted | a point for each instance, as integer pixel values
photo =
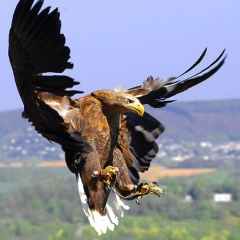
(107, 173)
(154, 189)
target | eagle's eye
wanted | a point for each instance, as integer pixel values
(129, 100)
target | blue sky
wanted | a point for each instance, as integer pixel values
(122, 42)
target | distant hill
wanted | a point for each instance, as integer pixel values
(184, 121)
(201, 120)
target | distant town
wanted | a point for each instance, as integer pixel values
(183, 151)
(37, 149)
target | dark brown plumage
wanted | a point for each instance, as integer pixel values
(106, 136)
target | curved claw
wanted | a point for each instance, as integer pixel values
(154, 189)
(137, 202)
(106, 175)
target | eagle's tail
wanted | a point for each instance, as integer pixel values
(114, 210)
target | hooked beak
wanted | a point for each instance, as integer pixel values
(136, 107)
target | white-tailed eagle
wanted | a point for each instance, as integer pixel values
(106, 135)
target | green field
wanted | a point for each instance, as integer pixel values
(43, 203)
(14, 177)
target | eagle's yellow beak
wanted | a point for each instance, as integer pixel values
(136, 107)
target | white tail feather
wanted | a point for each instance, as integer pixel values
(114, 208)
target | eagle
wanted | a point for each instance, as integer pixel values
(107, 136)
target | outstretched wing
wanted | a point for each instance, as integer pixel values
(138, 142)
(36, 46)
(155, 91)
(143, 131)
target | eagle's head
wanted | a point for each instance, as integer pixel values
(118, 102)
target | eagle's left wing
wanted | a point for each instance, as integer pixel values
(143, 131)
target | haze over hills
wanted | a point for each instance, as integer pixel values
(214, 121)
(201, 120)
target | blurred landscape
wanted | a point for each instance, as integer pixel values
(198, 165)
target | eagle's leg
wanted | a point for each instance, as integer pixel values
(108, 191)
(140, 190)
(108, 176)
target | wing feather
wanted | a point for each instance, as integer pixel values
(140, 139)
(144, 131)
(36, 46)
(155, 91)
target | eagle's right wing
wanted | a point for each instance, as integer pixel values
(154, 92)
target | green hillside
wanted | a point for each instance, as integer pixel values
(214, 121)
(201, 120)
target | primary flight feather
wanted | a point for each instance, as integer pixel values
(106, 135)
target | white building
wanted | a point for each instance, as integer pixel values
(222, 197)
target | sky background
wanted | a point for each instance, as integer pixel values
(122, 42)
